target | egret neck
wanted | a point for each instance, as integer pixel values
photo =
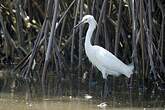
(91, 28)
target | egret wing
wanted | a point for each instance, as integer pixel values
(107, 60)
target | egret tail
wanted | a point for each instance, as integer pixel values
(129, 70)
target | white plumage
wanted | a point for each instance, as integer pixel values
(104, 60)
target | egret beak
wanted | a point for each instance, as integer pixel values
(80, 23)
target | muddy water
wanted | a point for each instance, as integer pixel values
(9, 102)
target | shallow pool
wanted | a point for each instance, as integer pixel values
(17, 102)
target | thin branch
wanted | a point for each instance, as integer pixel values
(117, 37)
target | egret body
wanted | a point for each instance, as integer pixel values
(104, 60)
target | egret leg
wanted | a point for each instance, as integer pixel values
(130, 82)
(105, 83)
(105, 88)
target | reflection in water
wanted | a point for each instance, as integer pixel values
(68, 103)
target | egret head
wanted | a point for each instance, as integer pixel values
(87, 19)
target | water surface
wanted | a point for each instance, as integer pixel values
(9, 102)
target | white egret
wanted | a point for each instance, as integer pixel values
(104, 60)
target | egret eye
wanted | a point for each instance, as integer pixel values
(85, 20)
